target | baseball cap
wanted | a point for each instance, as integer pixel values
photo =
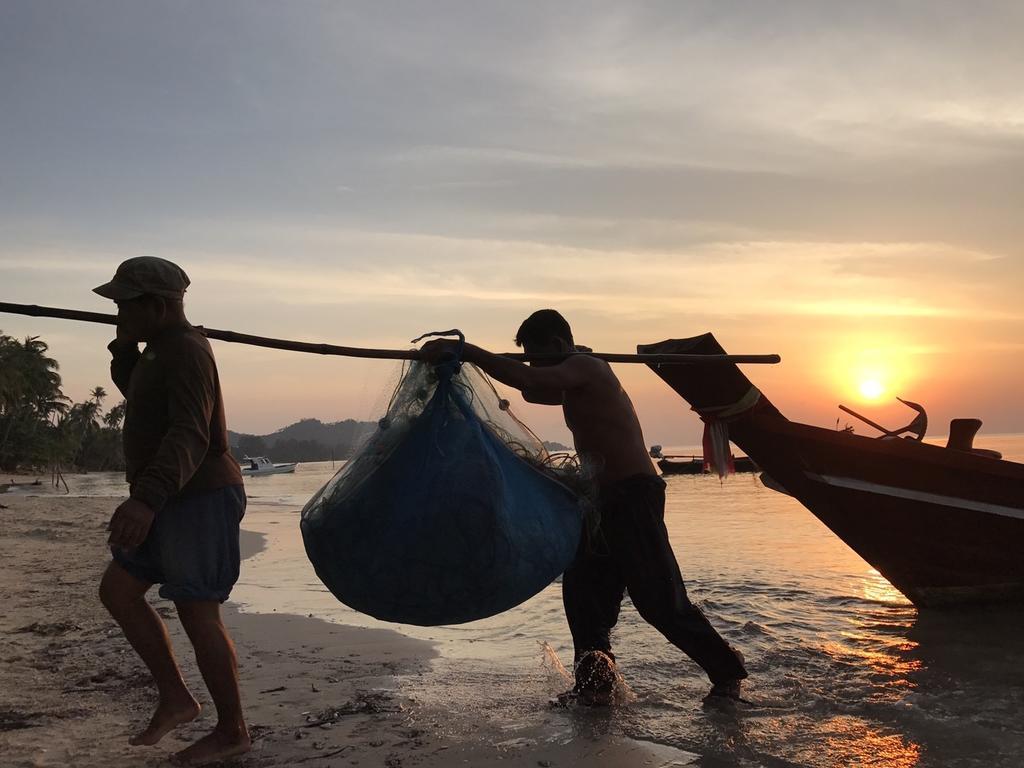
(142, 275)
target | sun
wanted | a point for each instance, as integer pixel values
(871, 389)
(872, 368)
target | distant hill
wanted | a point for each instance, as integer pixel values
(306, 440)
(554, 447)
(313, 440)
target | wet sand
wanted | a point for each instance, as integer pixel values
(315, 693)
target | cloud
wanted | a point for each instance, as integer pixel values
(356, 169)
(304, 268)
(808, 120)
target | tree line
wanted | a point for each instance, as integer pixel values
(43, 429)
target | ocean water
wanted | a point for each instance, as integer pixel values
(844, 671)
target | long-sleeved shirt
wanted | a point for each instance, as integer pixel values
(175, 432)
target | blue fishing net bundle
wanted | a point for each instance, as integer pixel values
(450, 512)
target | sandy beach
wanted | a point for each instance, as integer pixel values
(315, 693)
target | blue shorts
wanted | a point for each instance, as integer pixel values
(192, 547)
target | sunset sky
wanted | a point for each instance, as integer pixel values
(839, 183)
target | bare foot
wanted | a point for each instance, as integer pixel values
(596, 677)
(726, 695)
(166, 718)
(212, 747)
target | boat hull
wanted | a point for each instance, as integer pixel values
(691, 467)
(945, 527)
(696, 466)
(273, 471)
(941, 529)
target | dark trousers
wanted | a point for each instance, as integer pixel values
(631, 551)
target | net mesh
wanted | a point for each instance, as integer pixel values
(452, 510)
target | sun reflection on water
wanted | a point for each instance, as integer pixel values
(854, 742)
(867, 656)
(874, 587)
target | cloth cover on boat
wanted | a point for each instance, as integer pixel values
(446, 514)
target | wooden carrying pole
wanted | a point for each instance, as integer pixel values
(383, 354)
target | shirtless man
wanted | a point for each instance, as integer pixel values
(631, 549)
(179, 527)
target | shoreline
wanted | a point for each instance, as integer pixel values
(315, 693)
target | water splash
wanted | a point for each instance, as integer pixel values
(558, 675)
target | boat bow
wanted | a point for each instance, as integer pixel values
(944, 526)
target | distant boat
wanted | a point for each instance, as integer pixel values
(688, 464)
(261, 465)
(945, 525)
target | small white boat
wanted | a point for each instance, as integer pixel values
(261, 465)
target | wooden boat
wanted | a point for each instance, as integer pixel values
(945, 525)
(261, 465)
(694, 465)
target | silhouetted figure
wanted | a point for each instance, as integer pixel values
(179, 528)
(630, 550)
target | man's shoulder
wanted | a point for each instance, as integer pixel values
(189, 343)
(596, 370)
(594, 364)
(583, 360)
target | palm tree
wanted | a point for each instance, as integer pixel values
(97, 394)
(40, 425)
(29, 395)
(115, 415)
(11, 384)
(83, 426)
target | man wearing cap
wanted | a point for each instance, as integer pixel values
(179, 528)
